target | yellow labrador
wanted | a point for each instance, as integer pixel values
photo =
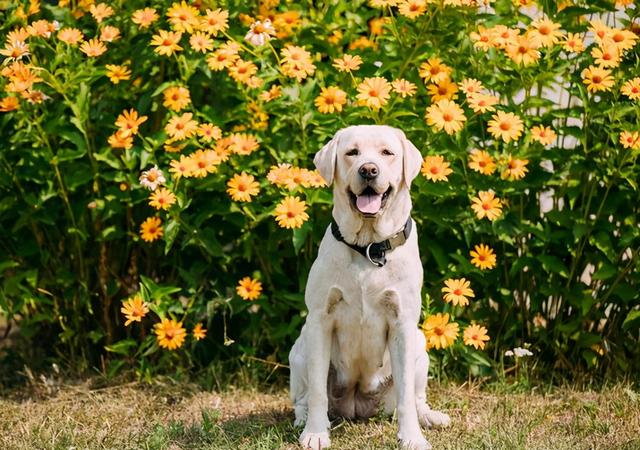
(360, 348)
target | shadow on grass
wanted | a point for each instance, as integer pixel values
(267, 429)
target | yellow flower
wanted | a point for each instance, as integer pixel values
(214, 21)
(542, 134)
(435, 168)
(273, 93)
(347, 63)
(249, 288)
(374, 92)
(433, 70)
(162, 198)
(223, 57)
(481, 103)
(573, 43)
(438, 332)
(117, 140)
(487, 205)
(128, 122)
(470, 86)
(116, 74)
(9, 104)
(546, 32)
(209, 132)
(483, 257)
(504, 36)
(242, 187)
(144, 17)
(181, 127)
(109, 34)
(457, 290)
(446, 89)
(506, 126)
(445, 115)
(70, 36)
(134, 309)
(93, 48)
(630, 139)
(200, 42)
(182, 167)
(483, 39)
(599, 30)
(403, 87)
(183, 17)
(166, 42)
(331, 100)
(606, 56)
(176, 98)
(199, 332)
(290, 212)
(523, 50)
(42, 28)
(481, 161)
(631, 88)
(203, 162)
(475, 335)
(101, 11)
(296, 62)
(412, 8)
(151, 229)
(597, 79)
(170, 334)
(242, 71)
(515, 169)
(623, 39)
(243, 144)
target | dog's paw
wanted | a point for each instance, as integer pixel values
(301, 416)
(413, 442)
(315, 441)
(431, 418)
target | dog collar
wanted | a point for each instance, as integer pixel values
(375, 252)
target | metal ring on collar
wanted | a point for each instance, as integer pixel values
(375, 263)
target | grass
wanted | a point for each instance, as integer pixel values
(159, 417)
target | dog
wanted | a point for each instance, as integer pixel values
(360, 348)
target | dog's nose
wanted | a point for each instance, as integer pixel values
(368, 171)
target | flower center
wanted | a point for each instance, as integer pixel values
(447, 117)
(457, 291)
(438, 330)
(504, 126)
(596, 79)
(434, 170)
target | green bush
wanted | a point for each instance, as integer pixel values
(566, 235)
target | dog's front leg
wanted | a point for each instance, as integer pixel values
(318, 339)
(402, 351)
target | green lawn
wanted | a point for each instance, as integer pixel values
(167, 417)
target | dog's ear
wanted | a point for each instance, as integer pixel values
(411, 159)
(325, 160)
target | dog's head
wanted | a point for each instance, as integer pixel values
(370, 165)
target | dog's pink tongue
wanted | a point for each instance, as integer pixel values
(369, 204)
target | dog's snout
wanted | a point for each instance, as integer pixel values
(368, 171)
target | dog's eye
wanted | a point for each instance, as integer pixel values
(387, 152)
(353, 152)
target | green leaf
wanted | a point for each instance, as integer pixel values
(605, 272)
(632, 320)
(121, 347)
(300, 236)
(554, 264)
(170, 234)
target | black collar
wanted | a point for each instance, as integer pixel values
(375, 252)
